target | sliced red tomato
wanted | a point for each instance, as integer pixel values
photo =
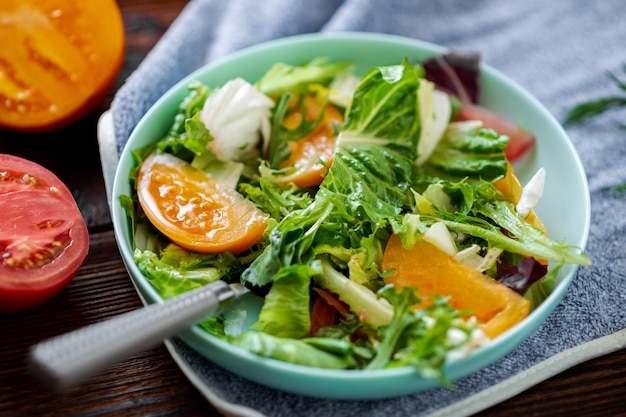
(325, 310)
(195, 211)
(43, 236)
(311, 156)
(521, 140)
(322, 314)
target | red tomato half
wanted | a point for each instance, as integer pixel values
(43, 236)
(521, 140)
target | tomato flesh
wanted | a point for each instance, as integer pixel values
(43, 236)
(432, 271)
(195, 211)
(319, 145)
(61, 59)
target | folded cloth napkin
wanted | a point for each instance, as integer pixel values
(560, 52)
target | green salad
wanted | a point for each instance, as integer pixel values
(314, 187)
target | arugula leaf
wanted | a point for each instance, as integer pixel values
(488, 216)
(590, 109)
(419, 338)
(277, 200)
(587, 110)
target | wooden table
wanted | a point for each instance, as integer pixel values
(151, 383)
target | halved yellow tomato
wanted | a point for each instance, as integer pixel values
(311, 156)
(57, 61)
(195, 211)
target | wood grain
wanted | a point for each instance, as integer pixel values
(150, 383)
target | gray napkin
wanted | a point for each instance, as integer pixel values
(559, 51)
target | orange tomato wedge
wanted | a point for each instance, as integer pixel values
(195, 211)
(510, 186)
(433, 272)
(319, 145)
(57, 61)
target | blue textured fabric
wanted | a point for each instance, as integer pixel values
(560, 52)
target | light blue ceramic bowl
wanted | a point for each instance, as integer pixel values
(566, 187)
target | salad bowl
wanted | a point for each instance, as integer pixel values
(566, 186)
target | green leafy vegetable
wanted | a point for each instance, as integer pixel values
(290, 350)
(283, 78)
(593, 108)
(366, 185)
(381, 182)
(587, 110)
(469, 151)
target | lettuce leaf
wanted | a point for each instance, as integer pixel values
(367, 184)
(290, 350)
(283, 78)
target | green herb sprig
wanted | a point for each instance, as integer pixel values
(587, 110)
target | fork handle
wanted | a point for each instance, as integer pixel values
(66, 360)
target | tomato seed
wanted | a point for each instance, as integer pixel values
(29, 179)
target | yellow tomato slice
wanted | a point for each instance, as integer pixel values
(510, 186)
(311, 156)
(195, 211)
(433, 272)
(57, 61)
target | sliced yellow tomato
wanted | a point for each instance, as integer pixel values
(195, 211)
(433, 272)
(510, 186)
(58, 60)
(311, 156)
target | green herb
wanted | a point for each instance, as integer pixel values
(618, 187)
(587, 110)
(590, 109)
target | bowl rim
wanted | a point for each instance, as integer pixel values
(206, 344)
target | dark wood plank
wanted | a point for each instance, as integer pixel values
(72, 153)
(150, 383)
